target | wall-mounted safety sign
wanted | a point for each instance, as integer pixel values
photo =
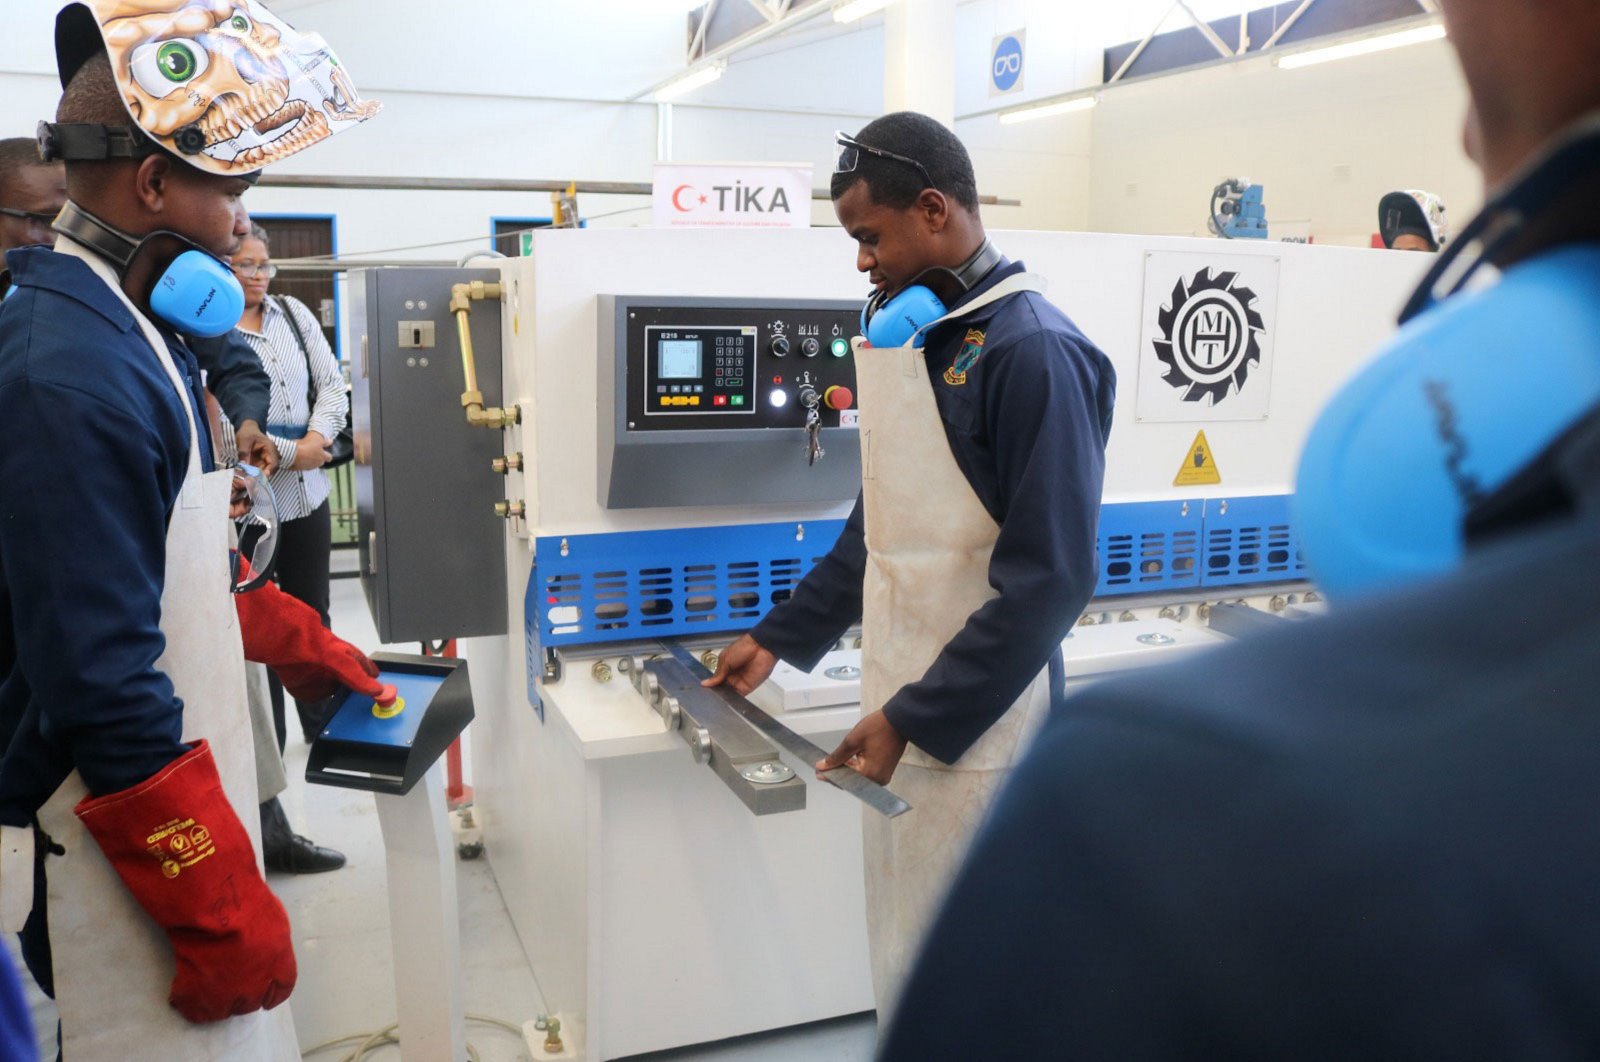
(1199, 468)
(732, 196)
(1005, 63)
(1205, 350)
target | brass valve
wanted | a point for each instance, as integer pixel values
(508, 463)
(510, 509)
(493, 416)
(552, 1037)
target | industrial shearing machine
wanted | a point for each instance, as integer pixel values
(596, 465)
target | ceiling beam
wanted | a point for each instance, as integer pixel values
(1288, 23)
(1205, 28)
(1148, 37)
(788, 21)
(698, 44)
(768, 11)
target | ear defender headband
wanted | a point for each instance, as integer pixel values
(181, 284)
(1431, 447)
(892, 320)
(89, 142)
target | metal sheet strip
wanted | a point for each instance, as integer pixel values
(870, 793)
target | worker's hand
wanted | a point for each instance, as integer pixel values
(287, 635)
(239, 503)
(873, 748)
(255, 448)
(311, 452)
(744, 665)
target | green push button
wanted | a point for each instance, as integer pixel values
(737, 400)
(841, 347)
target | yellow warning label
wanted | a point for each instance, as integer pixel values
(1199, 467)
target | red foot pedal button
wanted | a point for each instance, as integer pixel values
(838, 397)
(388, 703)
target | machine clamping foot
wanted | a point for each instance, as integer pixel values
(737, 734)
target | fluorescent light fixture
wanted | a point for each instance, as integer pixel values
(1047, 110)
(851, 10)
(693, 78)
(1365, 46)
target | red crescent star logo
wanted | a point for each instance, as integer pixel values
(677, 201)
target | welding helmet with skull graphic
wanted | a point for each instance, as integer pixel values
(1415, 212)
(224, 85)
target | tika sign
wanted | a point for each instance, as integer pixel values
(733, 195)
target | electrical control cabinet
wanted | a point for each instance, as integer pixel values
(429, 538)
(706, 401)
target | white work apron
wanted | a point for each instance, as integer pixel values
(929, 540)
(113, 966)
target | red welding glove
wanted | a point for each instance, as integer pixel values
(181, 851)
(287, 635)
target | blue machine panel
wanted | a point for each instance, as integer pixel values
(659, 584)
(1250, 540)
(590, 589)
(352, 719)
(1148, 546)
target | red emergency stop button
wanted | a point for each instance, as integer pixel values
(838, 397)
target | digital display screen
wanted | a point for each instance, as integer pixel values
(679, 359)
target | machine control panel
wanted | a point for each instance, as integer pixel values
(699, 367)
(686, 382)
(689, 370)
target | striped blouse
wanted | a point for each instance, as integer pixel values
(298, 493)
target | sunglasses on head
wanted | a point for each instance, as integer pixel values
(851, 149)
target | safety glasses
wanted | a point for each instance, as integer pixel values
(849, 158)
(255, 513)
(30, 216)
(255, 269)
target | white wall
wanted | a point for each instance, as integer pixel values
(1325, 141)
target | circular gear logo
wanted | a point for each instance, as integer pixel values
(1209, 336)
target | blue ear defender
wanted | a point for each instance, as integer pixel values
(1423, 450)
(894, 322)
(1465, 398)
(182, 285)
(198, 295)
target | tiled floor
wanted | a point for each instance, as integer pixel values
(341, 926)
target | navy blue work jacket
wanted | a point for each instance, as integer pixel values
(1369, 836)
(94, 445)
(1027, 422)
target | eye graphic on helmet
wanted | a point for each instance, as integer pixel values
(161, 68)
